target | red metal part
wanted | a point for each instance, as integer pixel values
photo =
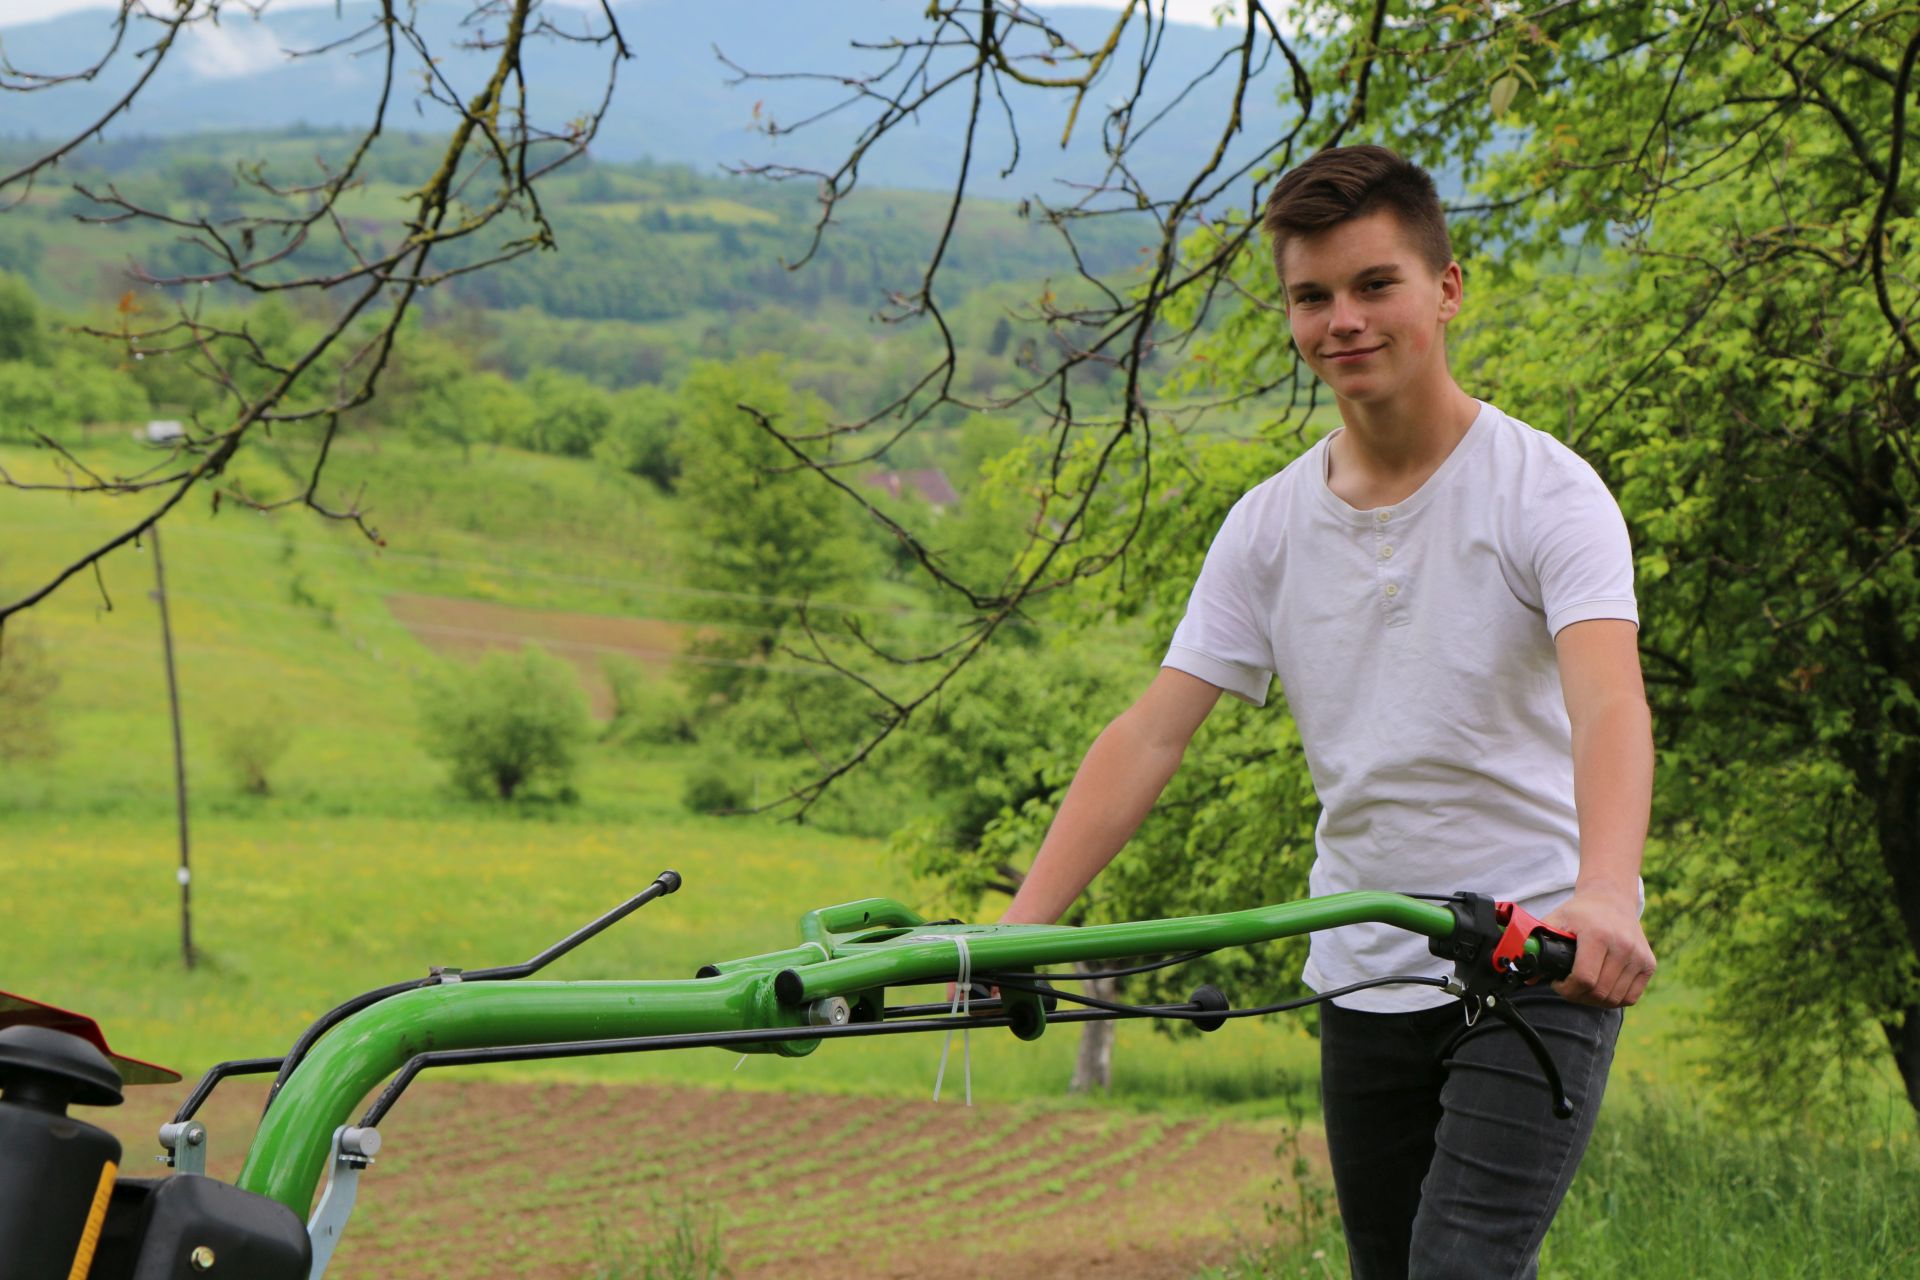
(1521, 924)
(18, 1011)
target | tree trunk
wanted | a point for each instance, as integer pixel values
(1093, 1067)
(1900, 850)
(1905, 1040)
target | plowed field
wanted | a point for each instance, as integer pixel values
(468, 628)
(481, 1180)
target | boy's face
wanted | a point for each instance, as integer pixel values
(1366, 310)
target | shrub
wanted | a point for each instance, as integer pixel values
(509, 724)
(252, 748)
(718, 784)
(27, 682)
(645, 708)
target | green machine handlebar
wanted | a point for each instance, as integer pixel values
(851, 948)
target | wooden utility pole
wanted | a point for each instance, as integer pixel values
(185, 874)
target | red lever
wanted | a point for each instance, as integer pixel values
(1521, 924)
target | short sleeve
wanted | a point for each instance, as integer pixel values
(1223, 638)
(1580, 549)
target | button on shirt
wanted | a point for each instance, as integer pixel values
(1414, 644)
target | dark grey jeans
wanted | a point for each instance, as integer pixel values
(1447, 1157)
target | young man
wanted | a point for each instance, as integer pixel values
(1446, 596)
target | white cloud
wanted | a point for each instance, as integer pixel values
(231, 50)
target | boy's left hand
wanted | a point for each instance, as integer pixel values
(1613, 960)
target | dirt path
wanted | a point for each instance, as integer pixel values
(484, 1181)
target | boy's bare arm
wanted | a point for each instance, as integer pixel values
(1122, 775)
(1613, 790)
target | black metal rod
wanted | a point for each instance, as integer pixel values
(708, 1040)
(664, 883)
(1193, 1012)
(215, 1074)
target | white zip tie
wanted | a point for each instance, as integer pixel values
(963, 1006)
(741, 1063)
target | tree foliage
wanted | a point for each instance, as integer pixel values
(1688, 234)
(507, 726)
(28, 679)
(767, 547)
(281, 233)
(1689, 256)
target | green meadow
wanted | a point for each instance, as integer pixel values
(363, 867)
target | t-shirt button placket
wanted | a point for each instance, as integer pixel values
(1390, 591)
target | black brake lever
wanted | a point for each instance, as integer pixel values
(1504, 1010)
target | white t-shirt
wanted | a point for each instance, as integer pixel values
(1414, 644)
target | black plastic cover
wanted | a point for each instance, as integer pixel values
(51, 1166)
(154, 1225)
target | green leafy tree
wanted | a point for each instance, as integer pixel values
(20, 335)
(430, 394)
(28, 680)
(765, 545)
(1688, 259)
(638, 437)
(506, 726)
(570, 414)
(1234, 827)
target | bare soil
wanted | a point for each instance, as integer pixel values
(468, 628)
(561, 1181)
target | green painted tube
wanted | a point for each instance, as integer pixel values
(289, 1152)
(867, 913)
(926, 955)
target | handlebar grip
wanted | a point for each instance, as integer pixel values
(1556, 957)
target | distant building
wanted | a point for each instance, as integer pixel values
(164, 431)
(929, 482)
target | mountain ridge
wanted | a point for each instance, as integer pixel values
(673, 102)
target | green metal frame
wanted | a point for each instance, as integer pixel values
(848, 950)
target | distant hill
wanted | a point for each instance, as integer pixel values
(673, 101)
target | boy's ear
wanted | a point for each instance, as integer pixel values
(1452, 291)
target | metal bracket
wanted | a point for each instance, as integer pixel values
(352, 1150)
(186, 1145)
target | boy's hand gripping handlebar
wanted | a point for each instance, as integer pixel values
(1497, 948)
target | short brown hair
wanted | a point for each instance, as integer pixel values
(1340, 184)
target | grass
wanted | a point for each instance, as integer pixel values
(1670, 1191)
(361, 868)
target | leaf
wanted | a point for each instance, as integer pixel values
(1503, 90)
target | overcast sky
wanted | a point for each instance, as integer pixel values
(14, 13)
